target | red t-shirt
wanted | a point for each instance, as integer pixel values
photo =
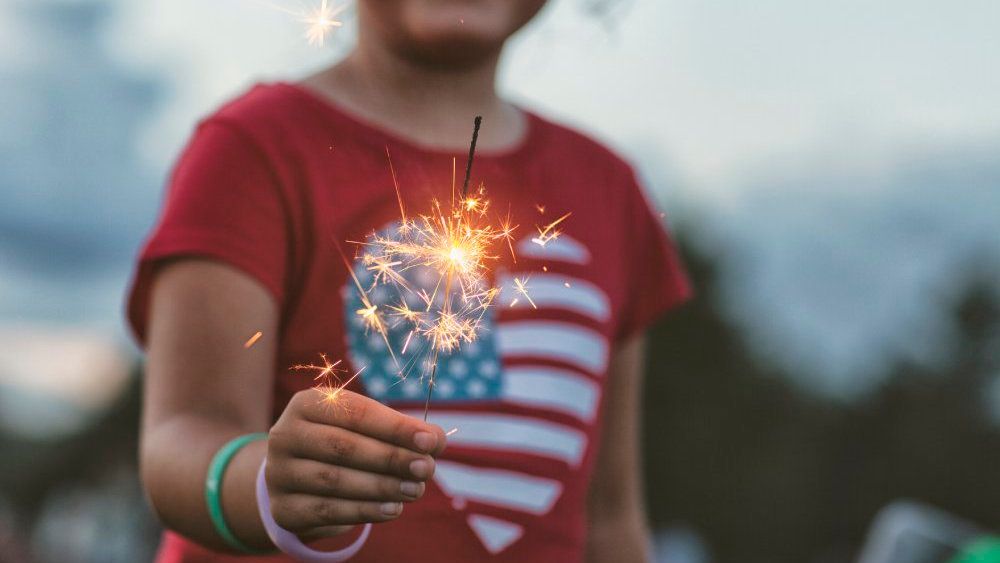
(275, 179)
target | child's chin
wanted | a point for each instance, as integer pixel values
(483, 23)
(456, 50)
(470, 32)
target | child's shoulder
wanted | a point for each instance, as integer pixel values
(275, 116)
(264, 104)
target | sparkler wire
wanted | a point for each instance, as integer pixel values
(472, 154)
(465, 192)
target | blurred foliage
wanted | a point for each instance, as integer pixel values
(37, 467)
(769, 473)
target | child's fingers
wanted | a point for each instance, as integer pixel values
(337, 446)
(299, 513)
(321, 479)
(369, 417)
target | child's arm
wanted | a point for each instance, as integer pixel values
(326, 467)
(617, 529)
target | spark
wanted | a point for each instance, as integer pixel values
(521, 286)
(566, 284)
(253, 339)
(369, 313)
(330, 387)
(404, 311)
(331, 391)
(505, 231)
(321, 21)
(540, 208)
(549, 232)
(325, 370)
(450, 432)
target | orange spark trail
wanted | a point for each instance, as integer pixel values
(548, 233)
(253, 339)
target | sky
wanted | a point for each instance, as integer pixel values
(838, 155)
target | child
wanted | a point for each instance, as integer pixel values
(545, 463)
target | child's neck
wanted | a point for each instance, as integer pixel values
(431, 106)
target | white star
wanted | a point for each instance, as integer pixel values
(375, 341)
(444, 388)
(476, 388)
(411, 388)
(488, 369)
(458, 368)
(377, 386)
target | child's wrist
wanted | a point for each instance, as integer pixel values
(214, 480)
(239, 498)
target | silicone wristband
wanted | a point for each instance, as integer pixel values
(213, 489)
(289, 542)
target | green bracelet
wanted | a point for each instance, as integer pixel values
(213, 488)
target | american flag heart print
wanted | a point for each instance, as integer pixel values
(538, 361)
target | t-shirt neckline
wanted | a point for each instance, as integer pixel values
(383, 136)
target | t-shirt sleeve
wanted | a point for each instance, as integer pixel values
(655, 278)
(223, 202)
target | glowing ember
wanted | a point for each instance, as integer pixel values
(330, 387)
(320, 21)
(253, 339)
(325, 370)
(549, 232)
(521, 286)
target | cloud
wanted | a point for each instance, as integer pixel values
(836, 274)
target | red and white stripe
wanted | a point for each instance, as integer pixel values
(553, 366)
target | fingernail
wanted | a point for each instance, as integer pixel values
(425, 441)
(420, 468)
(409, 488)
(391, 508)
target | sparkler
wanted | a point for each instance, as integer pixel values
(455, 245)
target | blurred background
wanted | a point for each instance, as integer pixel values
(830, 169)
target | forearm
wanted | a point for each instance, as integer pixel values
(175, 457)
(622, 539)
(617, 529)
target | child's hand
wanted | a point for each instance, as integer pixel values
(356, 461)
